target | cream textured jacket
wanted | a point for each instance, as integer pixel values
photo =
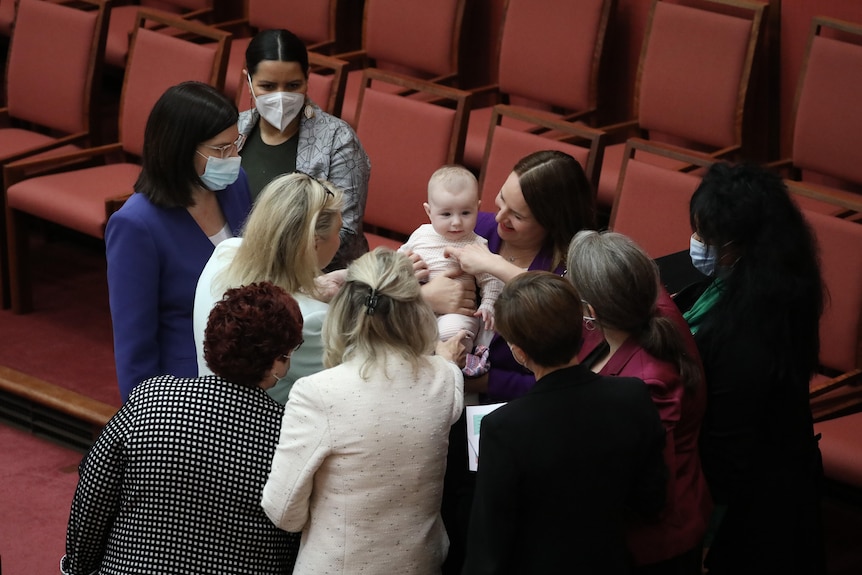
(359, 467)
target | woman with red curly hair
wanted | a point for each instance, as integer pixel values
(173, 483)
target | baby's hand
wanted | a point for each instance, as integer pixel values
(487, 318)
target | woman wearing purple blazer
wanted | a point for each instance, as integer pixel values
(191, 195)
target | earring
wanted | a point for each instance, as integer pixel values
(309, 111)
(589, 323)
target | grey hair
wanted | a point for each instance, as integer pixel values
(615, 276)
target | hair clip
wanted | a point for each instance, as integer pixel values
(371, 301)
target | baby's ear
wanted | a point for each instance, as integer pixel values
(427, 209)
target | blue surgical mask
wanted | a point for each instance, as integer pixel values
(703, 258)
(220, 172)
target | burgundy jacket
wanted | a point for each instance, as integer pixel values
(684, 519)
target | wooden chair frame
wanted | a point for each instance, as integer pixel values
(16, 231)
(623, 130)
(574, 134)
(93, 78)
(360, 59)
(492, 91)
(460, 99)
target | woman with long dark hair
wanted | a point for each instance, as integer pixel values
(757, 328)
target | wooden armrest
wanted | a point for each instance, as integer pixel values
(621, 132)
(23, 169)
(357, 59)
(849, 378)
(232, 25)
(55, 397)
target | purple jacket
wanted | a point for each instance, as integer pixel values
(155, 256)
(507, 379)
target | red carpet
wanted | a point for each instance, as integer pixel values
(67, 339)
(39, 480)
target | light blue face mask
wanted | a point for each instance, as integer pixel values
(703, 258)
(220, 172)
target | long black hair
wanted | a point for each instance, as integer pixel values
(772, 285)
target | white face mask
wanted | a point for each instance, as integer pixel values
(220, 172)
(278, 108)
(702, 258)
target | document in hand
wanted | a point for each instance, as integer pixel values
(475, 413)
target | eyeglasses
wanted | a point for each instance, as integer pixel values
(320, 181)
(287, 356)
(226, 150)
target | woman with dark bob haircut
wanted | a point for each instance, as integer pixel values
(285, 131)
(560, 467)
(757, 327)
(173, 483)
(191, 194)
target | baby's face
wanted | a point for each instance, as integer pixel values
(452, 211)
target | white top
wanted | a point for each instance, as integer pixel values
(306, 360)
(430, 245)
(221, 235)
(359, 467)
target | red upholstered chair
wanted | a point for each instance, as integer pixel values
(7, 16)
(313, 21)
(548, 59)
(692, 81)
(839, 386)
(38, 121)
(652, 202)
(505, 146)
(406, 140)
(827, 131)
(327, 79)
(836, 396)
(412, 37)
(124, 20)
(82, 198)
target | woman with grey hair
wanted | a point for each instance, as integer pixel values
(633, 329)
(360, 462)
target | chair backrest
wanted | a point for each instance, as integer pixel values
(414, 35)
(7, 16)
(327, 81)
(652, 202)
(158, 61)
(840, 245)
(312, 20)
(695, 67)
(406, 140)
(505, 146)
(828, 121)
(70, 61)
(550, 51)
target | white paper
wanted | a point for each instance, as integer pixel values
(475, 413)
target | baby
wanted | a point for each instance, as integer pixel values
(452, 207)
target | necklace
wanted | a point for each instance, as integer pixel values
(513, 258)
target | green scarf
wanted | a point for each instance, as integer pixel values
(703, 305)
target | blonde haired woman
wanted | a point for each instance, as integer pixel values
(362, 453)
(291, 234)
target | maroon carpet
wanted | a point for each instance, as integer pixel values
(39, 480)
(67, 338)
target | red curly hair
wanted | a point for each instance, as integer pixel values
(250, 328)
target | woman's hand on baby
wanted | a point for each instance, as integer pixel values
(473, 259)
(329, 284)
(420, 268)
(447, 295)
(454, 349)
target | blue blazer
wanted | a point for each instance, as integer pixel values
(155, 256)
